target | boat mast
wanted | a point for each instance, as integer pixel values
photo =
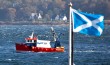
(32, 35)
(70, 37)
(54, 34)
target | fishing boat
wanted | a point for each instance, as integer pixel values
(32, 43)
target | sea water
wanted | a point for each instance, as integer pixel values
(88, 50)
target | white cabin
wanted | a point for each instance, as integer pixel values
(43, 43)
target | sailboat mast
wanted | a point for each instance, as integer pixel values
(70, 37)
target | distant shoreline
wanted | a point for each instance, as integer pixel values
(35, 23)
(106, 22)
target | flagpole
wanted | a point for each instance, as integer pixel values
(70, 37)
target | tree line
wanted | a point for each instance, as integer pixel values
(23, 10)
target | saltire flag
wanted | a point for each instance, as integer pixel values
(85, 23)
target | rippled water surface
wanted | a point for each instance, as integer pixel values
(88, 50)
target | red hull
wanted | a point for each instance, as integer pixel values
(23, 47)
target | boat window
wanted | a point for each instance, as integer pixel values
(34, 40)
(28, 40)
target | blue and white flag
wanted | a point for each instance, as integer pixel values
(85, 23)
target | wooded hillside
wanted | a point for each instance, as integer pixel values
(23, 10)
